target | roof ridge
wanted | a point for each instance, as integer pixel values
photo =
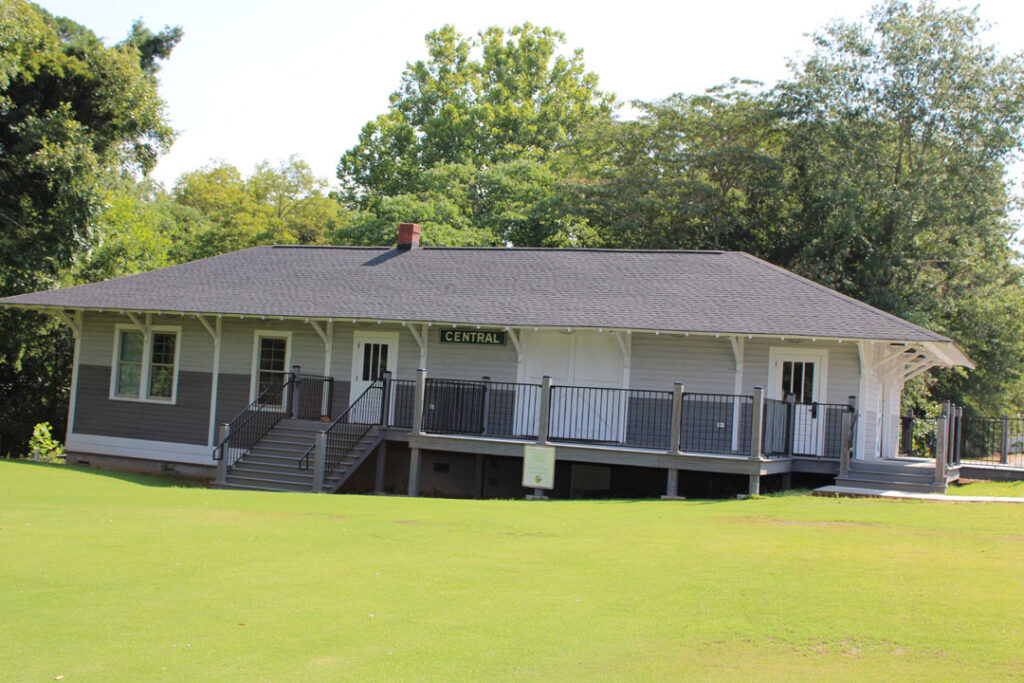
(710, 252)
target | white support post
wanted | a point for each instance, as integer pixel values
(865, 350)
(737, 344)
(520, 358)
(327, 337)
(215, 332)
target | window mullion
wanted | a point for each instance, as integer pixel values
(147, 350)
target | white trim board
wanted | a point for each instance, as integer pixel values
(142, 449)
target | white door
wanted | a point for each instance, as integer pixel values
(372, 354)
(586, 362)
(799, 377)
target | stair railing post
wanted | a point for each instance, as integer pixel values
(942, 443)
(1004, 440)
(676, 428)
(545, 410)
(222, 464)
(385, 406)
(296, 384)
(485, 406)
(418, 400)
(319, 462)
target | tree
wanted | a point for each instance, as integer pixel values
(73, 112)
(496, 98)
(285, 204)
(898, 136)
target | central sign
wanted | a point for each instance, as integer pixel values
(460, 336)
(539, 467)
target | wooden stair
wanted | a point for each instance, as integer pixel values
(910, 475)
(273, 463)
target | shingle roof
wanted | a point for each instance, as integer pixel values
(692, 291)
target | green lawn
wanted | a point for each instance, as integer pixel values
(112, 577)
(1008, 489)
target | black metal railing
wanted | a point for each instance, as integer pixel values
(403, 403)
(813, 430)
(917, 437)
(716, 423)
(315, 396)
(370, 409)
(634, 418)
(254, 421)
(484, 408)
(992, 440)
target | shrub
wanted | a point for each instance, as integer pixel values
(43, 446)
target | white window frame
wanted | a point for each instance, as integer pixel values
(147, 362)
(254, 380)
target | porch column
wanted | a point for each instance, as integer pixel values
(417, 428)
(414, 472)
(676, 428)
(756, 417)
(846, 441)
(421, 340)
(865, 352)
(327, 337)
(545, 410)
(671, 484)
(737, 343)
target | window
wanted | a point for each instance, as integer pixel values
(375, 361)
(271, 365)
(145, 365)
(272, 362)
(798, 381)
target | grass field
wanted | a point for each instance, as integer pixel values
(117, 577)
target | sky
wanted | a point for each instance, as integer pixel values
(264, 79)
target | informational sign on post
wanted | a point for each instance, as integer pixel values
(539, 467)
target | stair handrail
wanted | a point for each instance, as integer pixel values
(257, 407)
(331, 462)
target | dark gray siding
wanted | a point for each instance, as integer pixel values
(185, 422)
(232, 396)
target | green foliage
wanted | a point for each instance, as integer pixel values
(496, 98)
(73, 114)
(285, 204)
(43, 447)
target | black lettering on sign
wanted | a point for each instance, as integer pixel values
(458, 336)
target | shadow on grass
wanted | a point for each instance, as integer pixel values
(130, 477)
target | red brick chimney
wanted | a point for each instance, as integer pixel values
(408, 236)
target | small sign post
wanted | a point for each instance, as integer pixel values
(538, 468)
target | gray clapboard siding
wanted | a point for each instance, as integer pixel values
(470, 361)
(183, 422)
(703, 364)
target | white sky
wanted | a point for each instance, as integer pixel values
(263, 79)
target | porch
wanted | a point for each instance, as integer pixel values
(671, 431)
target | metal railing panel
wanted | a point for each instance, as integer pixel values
(254, 421)
(633, 418)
